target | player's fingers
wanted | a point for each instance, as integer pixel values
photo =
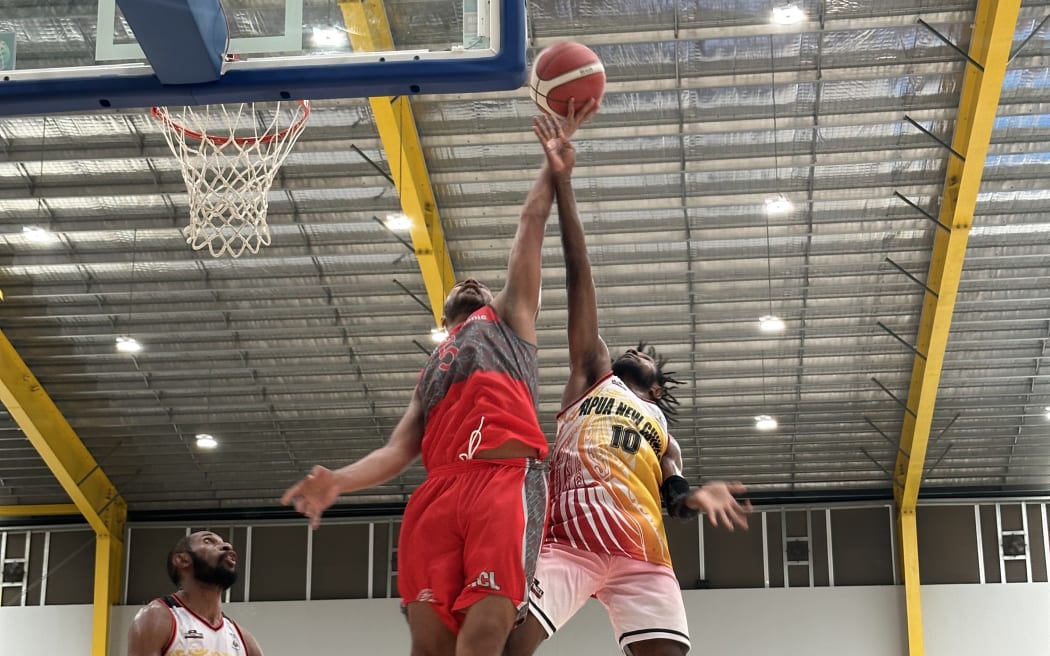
(726, 521)
(543, 128)
(553, 127)
(589, 109)
(570, 114)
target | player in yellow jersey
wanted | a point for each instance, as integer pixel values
(612, 460)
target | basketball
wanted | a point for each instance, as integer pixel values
(566, 70)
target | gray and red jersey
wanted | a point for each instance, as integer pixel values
(478, 390)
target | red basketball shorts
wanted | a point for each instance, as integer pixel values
(472, 529)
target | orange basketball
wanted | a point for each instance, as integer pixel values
(566, 70)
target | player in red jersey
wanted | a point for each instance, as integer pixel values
(472, 530)
(612, 461)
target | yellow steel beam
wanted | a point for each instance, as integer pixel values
(109, 551)
(47, 510)
(369, 31)
(91, 491)
(994, 26)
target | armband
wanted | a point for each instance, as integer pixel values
(675, 491)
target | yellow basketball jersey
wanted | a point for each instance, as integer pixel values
(605, 474)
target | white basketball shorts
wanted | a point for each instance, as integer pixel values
(644, 600)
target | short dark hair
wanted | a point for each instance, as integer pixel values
(667, 402)
(182, 546)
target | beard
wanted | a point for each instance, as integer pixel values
(212, 574)
(631, 371)
(462, 306)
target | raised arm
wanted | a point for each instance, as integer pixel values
(322, 486)
(519, 300)
(588, 354)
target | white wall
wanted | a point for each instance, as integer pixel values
(960, 620)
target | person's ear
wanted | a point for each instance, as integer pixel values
(656, 392)
(181, 559)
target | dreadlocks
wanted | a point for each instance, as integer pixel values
(667, 402)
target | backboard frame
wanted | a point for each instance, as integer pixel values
(501, 66)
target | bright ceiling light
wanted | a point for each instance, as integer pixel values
(438, 334)
(398, 222)
(770, 324)
(38, 234)
(326, 36)
(127, 344)
(1048, 412)
(787, 15)
(765, 422)
(205, 441)
(778, 204)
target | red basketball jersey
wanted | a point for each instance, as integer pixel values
(478, 390)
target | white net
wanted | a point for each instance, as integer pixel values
(229, 155)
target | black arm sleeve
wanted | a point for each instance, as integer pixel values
(675, 490)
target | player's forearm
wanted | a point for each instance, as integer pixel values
(374, 469)
(573, 243)
(539, 200)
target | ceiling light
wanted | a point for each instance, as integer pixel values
(770, 324)
(1048, 412)
(127, 344)
(326, 36)
(778, 204)
(438, 334)
(38, 234)
(398, 222)
(788, 15)
(765, 422)
(205, 441)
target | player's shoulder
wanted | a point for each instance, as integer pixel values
(156, 610)
(152, 627)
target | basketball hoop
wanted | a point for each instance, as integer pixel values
(229, 155)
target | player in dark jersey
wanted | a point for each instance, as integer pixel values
(472, 530)
(190, 621)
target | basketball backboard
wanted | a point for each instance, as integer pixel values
(65, 55)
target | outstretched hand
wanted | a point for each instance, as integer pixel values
(561, 156)
(554, 134)
(573, 120)
(313, 495)
(717, 500)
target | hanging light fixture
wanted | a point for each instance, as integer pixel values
(127, 344)
(765, 423)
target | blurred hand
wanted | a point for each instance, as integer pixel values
(313, 495)
(717, 500)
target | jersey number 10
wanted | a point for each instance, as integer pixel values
(625, 438)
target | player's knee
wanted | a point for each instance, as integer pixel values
(488, 623)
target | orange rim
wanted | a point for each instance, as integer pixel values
(162, 115)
